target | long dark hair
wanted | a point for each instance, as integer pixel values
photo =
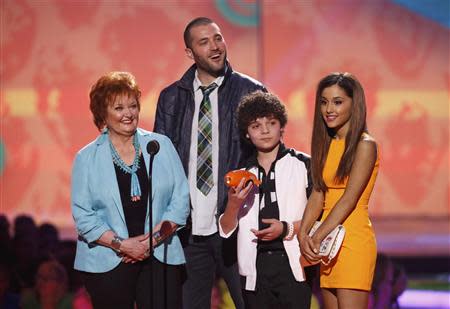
(322, 135)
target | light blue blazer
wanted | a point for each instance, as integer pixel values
(96, 204)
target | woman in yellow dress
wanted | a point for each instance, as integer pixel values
(344, 164)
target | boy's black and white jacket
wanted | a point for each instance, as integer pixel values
(293, 186)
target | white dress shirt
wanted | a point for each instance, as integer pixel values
(204, 208)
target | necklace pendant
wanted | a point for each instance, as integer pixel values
(135, 187)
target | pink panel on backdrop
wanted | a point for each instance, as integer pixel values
(21, 23)
(55, 50)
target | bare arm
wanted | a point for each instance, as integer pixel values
(236, 197)
(106, 238)
(365, 158)
(312, 212)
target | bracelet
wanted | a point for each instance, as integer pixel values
(290, 233)
(157, 237)
(116, 242)
(285, 229)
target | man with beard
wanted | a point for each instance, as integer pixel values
(197, 113)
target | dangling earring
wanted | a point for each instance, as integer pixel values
(247, 136)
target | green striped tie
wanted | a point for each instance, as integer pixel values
(204, 142)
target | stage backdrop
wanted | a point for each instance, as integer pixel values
(53, 51)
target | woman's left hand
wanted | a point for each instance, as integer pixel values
(272, 232)
(310, 249)
(164, 230)
(135, 248)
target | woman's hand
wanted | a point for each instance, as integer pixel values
(270, 233)
(173, 226)
(135, 249)
(305, 263)
(162, 231)
(310, 248)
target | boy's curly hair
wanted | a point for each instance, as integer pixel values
(259, 104)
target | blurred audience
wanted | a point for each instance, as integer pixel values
(48, 240)
(6, 247)
(25, 247)
(36, 267)
(36, 271)
(66, 256)
(399, 285)
(8, 299)
(50, 288)
(24, 225)
(388, 284)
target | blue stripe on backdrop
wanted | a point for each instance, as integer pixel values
(238, 12)
(436, 10)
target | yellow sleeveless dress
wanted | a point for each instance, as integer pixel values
(354, 266)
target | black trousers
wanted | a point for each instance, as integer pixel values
(207, 256)
(128, 284)
(276, 287)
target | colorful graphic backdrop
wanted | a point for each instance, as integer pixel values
(53, 51)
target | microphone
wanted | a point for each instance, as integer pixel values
(152, 147)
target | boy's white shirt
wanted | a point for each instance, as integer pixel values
(291, 181)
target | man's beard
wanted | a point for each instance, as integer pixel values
(205, 66)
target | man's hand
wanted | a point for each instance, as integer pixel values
(272, 232)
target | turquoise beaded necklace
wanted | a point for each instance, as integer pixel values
(135, 187)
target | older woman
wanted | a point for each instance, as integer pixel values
(110, 204)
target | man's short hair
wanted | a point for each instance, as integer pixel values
(259, 104)
(199, 21)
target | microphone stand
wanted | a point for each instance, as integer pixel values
(150, 224)
(152, 149)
